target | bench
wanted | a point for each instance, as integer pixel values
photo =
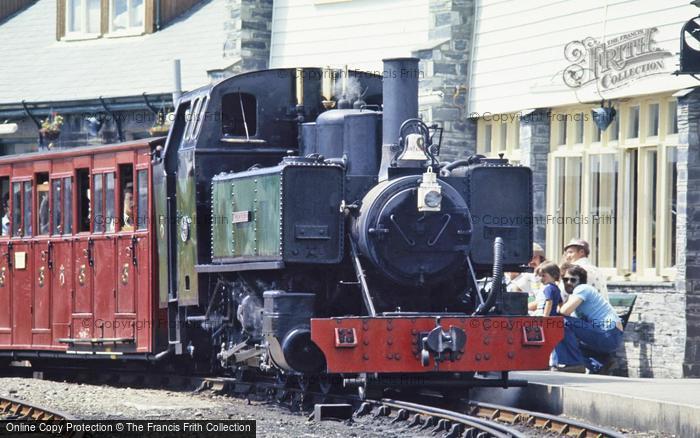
(623, 304)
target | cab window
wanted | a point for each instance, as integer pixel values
(238, 115)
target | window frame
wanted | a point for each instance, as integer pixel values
(130, 30)
(84, 22)
(500, 124)
(664, 145)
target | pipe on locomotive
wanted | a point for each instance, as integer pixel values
(400, 103)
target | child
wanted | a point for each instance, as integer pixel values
(548, 298)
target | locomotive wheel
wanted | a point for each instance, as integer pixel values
(304, 382)
(325, 384)
(370, 392)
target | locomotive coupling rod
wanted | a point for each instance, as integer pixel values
(366, 297)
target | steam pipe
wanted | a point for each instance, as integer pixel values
(400, 102)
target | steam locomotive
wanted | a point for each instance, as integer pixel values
(300, 223)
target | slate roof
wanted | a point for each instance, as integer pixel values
(36, 68)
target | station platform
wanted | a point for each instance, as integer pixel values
(669, 406)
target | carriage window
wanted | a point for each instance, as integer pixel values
(126, 183)
(142, 209)
(98, 219)
(83, 181)
(110, 214)
(5, 205)
(16, 209)
(57, 205)
(27, 207)
(43, 203)
(239, 115)
(67, 205)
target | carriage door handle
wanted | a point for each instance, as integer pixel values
(8, 255)
(88, 252)
(47, 255)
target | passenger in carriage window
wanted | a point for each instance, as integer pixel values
(6, 215)
(128, 208)
(43, 194)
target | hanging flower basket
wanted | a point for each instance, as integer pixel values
(51, 127)
(161, 127)
(50, 134)
(159, 130)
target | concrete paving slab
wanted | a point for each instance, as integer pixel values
(670, 406)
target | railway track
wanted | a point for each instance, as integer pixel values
(476, 419)
(13, 409)
(550, 423)
(472, 419)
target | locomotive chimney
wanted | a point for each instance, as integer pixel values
(400, 102)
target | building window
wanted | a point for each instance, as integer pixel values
(619, 194)
(653, 124)
(504, 137)
(672, 118)
(579, 120)
(614, 128)
(561, 131)
(500, 135)
(126, 16)
(487, 138)
(83, 17)
(633, 122)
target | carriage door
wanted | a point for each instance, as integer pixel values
(127, 257)
(5, 265)
(41, 255)
(61, 257)
(104, 266)
(83, 260)
(22, 279)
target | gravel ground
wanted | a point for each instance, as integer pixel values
(107, 402)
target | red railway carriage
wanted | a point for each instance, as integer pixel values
(76, 252)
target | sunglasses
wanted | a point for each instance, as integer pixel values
(570, 279)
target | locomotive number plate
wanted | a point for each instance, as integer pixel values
(345, 337)
(240, 217)
(533, 335)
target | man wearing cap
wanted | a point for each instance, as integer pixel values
(576, 252)
(526, 281)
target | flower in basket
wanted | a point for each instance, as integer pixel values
(51, 126)
(161, 127)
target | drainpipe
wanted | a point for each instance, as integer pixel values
(177, 77)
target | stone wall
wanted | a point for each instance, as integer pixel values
(534, 145)
(654, 343)
(249, 32)
(688, 228)
(445, 69)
